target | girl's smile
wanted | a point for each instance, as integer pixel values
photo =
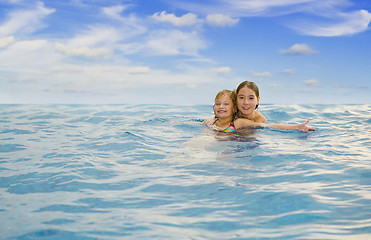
(223, 107)
(247, 101)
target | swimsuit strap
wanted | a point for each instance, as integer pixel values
(230, 128)
(211, 125)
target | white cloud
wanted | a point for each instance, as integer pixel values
(82, 51)
(248, 8)
(29, 46)
(127, 25)
(221, 20)
(130, 48)
(288, 71)
(138, 70)
(114, 11)
(261, 74)
(25, 21)
(174, 42)
(66, 68)
(299, 49)
(331, 17)
(34, 56)
(96, 42)
(276, 85)
(185, 20)
(222, 70)
(191, 85)
(54, 73)
(348, 24)
(4, 42)
(312, 82)
(268, 7)
(13, 1)
(96, 36)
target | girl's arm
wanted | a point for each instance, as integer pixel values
(300, 127)
(246, 123)
(208, 121)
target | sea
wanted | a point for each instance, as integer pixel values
(155, 172)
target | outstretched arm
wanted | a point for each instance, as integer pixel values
(300, 127)
(246, 123)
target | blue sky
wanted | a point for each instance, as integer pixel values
(184, 52)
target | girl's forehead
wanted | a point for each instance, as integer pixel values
(246, 91)
(224, 97)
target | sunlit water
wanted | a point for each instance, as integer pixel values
(154, 172)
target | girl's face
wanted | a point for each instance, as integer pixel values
(247, 101)
(223, 107)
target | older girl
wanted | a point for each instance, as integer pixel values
(248, 101)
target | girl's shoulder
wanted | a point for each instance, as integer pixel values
(209, 121)
(259, 118)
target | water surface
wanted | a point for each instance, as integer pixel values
(154, 172)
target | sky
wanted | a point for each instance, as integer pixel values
(184, 52)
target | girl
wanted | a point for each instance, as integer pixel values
(224, 110)
(247, 94)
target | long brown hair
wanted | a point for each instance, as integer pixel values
(249, 85)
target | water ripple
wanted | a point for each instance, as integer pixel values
(154, 172)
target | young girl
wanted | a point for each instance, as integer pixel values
(224, 110)
(247, 94)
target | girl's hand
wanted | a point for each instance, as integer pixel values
(304, 128)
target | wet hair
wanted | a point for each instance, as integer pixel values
(232, 95)
(249, 85)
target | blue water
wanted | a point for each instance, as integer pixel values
(154, 172)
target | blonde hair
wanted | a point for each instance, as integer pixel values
(232, 95)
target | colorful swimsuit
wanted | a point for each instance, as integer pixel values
(230, 128)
